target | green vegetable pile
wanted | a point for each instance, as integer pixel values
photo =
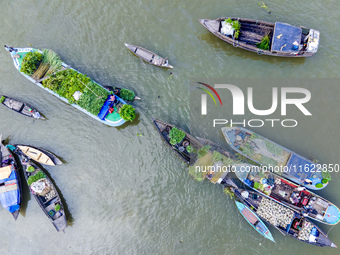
(30, 169)
(176, 136)
(2, 99)
(127, 95)
(57, 207)
(235, 25)
(31, 62)
(264, 44)
(127, 112)
(39, 175)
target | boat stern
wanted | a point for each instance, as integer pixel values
(313, 39)
(230, 135)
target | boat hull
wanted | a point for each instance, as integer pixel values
(18, 66)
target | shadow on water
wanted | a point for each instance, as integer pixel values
(230, 50)
(135, 122)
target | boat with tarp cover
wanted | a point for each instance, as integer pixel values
(285, 220)
(10, 184)
(254, 221)
(283, 40)
(44, 191)
(109, 106)
(272, 155)
(287, 193)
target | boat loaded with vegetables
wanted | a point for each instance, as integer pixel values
(44, 192)
(275, 157)
(287, 221)
(206, 159)
(45, 69)
(287, 193)
(10, 184)
(274, 39)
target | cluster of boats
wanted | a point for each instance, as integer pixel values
(29, 159)
(282, 201)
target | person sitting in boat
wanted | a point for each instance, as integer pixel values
(113, 100)
(307, 182)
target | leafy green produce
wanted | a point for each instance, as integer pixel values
(2, 99)
(57, 207)
(264, 44)
(39, 175)
(30, 169)
(127, 95)
(127, 112)
(31, 62)
(176, 136)
(204, 150)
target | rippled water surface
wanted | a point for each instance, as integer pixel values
(125, 191)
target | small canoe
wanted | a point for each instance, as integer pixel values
(40, 155)
(10, 183)
(272, 155)
(285, 220)
(284, 40)
(21, 107)
(180, 148)
(44, 192)
(254, 221)
(148, 56)
(287, 193)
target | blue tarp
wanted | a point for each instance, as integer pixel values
(301, 168)
(10, 199)
(105, 109)
(284, 36)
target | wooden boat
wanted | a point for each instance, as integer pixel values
(40, 155)
(21, 107)
(10, 183)
(149, 56)
(206, 159)
(254, 221)
(287, 193)
(285, 40)
(285, 220)
(44, 192)
(105, 116)
(272, 155)
(181, 148)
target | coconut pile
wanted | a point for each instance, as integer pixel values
(274, 213)
(305, 231)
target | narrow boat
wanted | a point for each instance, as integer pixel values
(10, 183)
(180, 148)
(40, 155)
(21, 107)
(90, 98)
(44, 192)
(287, 193)
(254, 221)
(206, 159)
(275, 157)
(273, 39)
(287, 221)
(148, 56)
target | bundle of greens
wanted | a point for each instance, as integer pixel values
(31, 62)
(176, 136)
(33, 178)
(49, 64)
(127, 112)
(127, 95)
(264, 44)
(235, 25)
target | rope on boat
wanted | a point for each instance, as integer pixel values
(89, 88)
(330, 229)
(236, 45)
(260, 52)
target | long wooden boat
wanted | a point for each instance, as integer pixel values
(267, 153)
(287, 221)
(105, 116)
(285, 40)
(44, 192)
(10, 183)
(206, 159)
(149, 56)
(180, 148)
(288, 193)
(21, 107)
(254, 221)
(40, 155)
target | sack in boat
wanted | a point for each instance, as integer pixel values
(41, 187)
(226, 28)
